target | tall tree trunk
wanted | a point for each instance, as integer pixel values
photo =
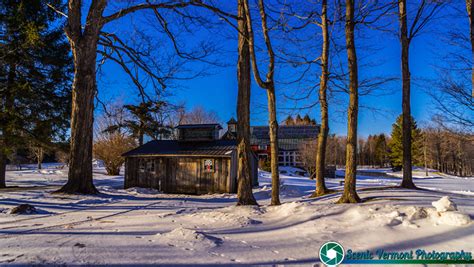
(407, 181)
(83, 90)
(425, 156)
(3, 156)
(269, 86)
(83, 41)
(3, 168)
(40, 157)
(244, 178)
(323, 134)
(7, 133)
(350, 195)
(140, 138)
(469, 6)
(273, 124)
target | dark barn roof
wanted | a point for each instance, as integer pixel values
(287, 132)
(195, 126)
(195, 148)
(289, 137)
(232, 121)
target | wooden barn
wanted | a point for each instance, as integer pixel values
(197, 163)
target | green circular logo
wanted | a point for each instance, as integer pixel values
(331, 253)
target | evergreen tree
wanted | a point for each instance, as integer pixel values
(298, 120)
(289, 120)
(144, 122)
(396, 145)
(35, 68)
(381, 150)
(306, 120)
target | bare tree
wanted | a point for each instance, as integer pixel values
(84, 39)
(199, 115)
(37, 152)
(350, 195)
(321, 188)
(469, 7)
(269, 86)
(449, 151)
(244, 190)
(62, 157)
(453, 98)
(3, 167)
(407, 181)
(110, 147)
(424, 13)
(308, 157)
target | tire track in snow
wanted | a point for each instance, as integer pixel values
(75, 223)
(57, 214)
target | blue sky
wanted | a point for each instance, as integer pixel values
(217, 91)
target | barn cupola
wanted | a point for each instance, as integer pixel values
(198, 132)
(232, 125)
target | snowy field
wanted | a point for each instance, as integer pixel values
(142, 226)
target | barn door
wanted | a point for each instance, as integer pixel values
(187, 176)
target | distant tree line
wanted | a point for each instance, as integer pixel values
(433, 147)
(449, 152)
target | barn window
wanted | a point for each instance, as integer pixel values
(141, 165)
(150, 166)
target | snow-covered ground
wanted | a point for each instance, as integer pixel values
(143, 226)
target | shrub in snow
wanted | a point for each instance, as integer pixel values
(23, 209)
(444, 204)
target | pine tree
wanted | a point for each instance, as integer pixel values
(396, 144)
(144, 122)
(298, 120)
(289, 121)
(35, 68)
(380, 150)
(306, 120)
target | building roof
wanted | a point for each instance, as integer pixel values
(289, 137)
(194, 126)
(232, 121)
(286, 132)
(229, 135)
(222, 148)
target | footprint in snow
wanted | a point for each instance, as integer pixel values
(79, 245)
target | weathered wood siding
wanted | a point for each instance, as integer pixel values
(181, 174)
